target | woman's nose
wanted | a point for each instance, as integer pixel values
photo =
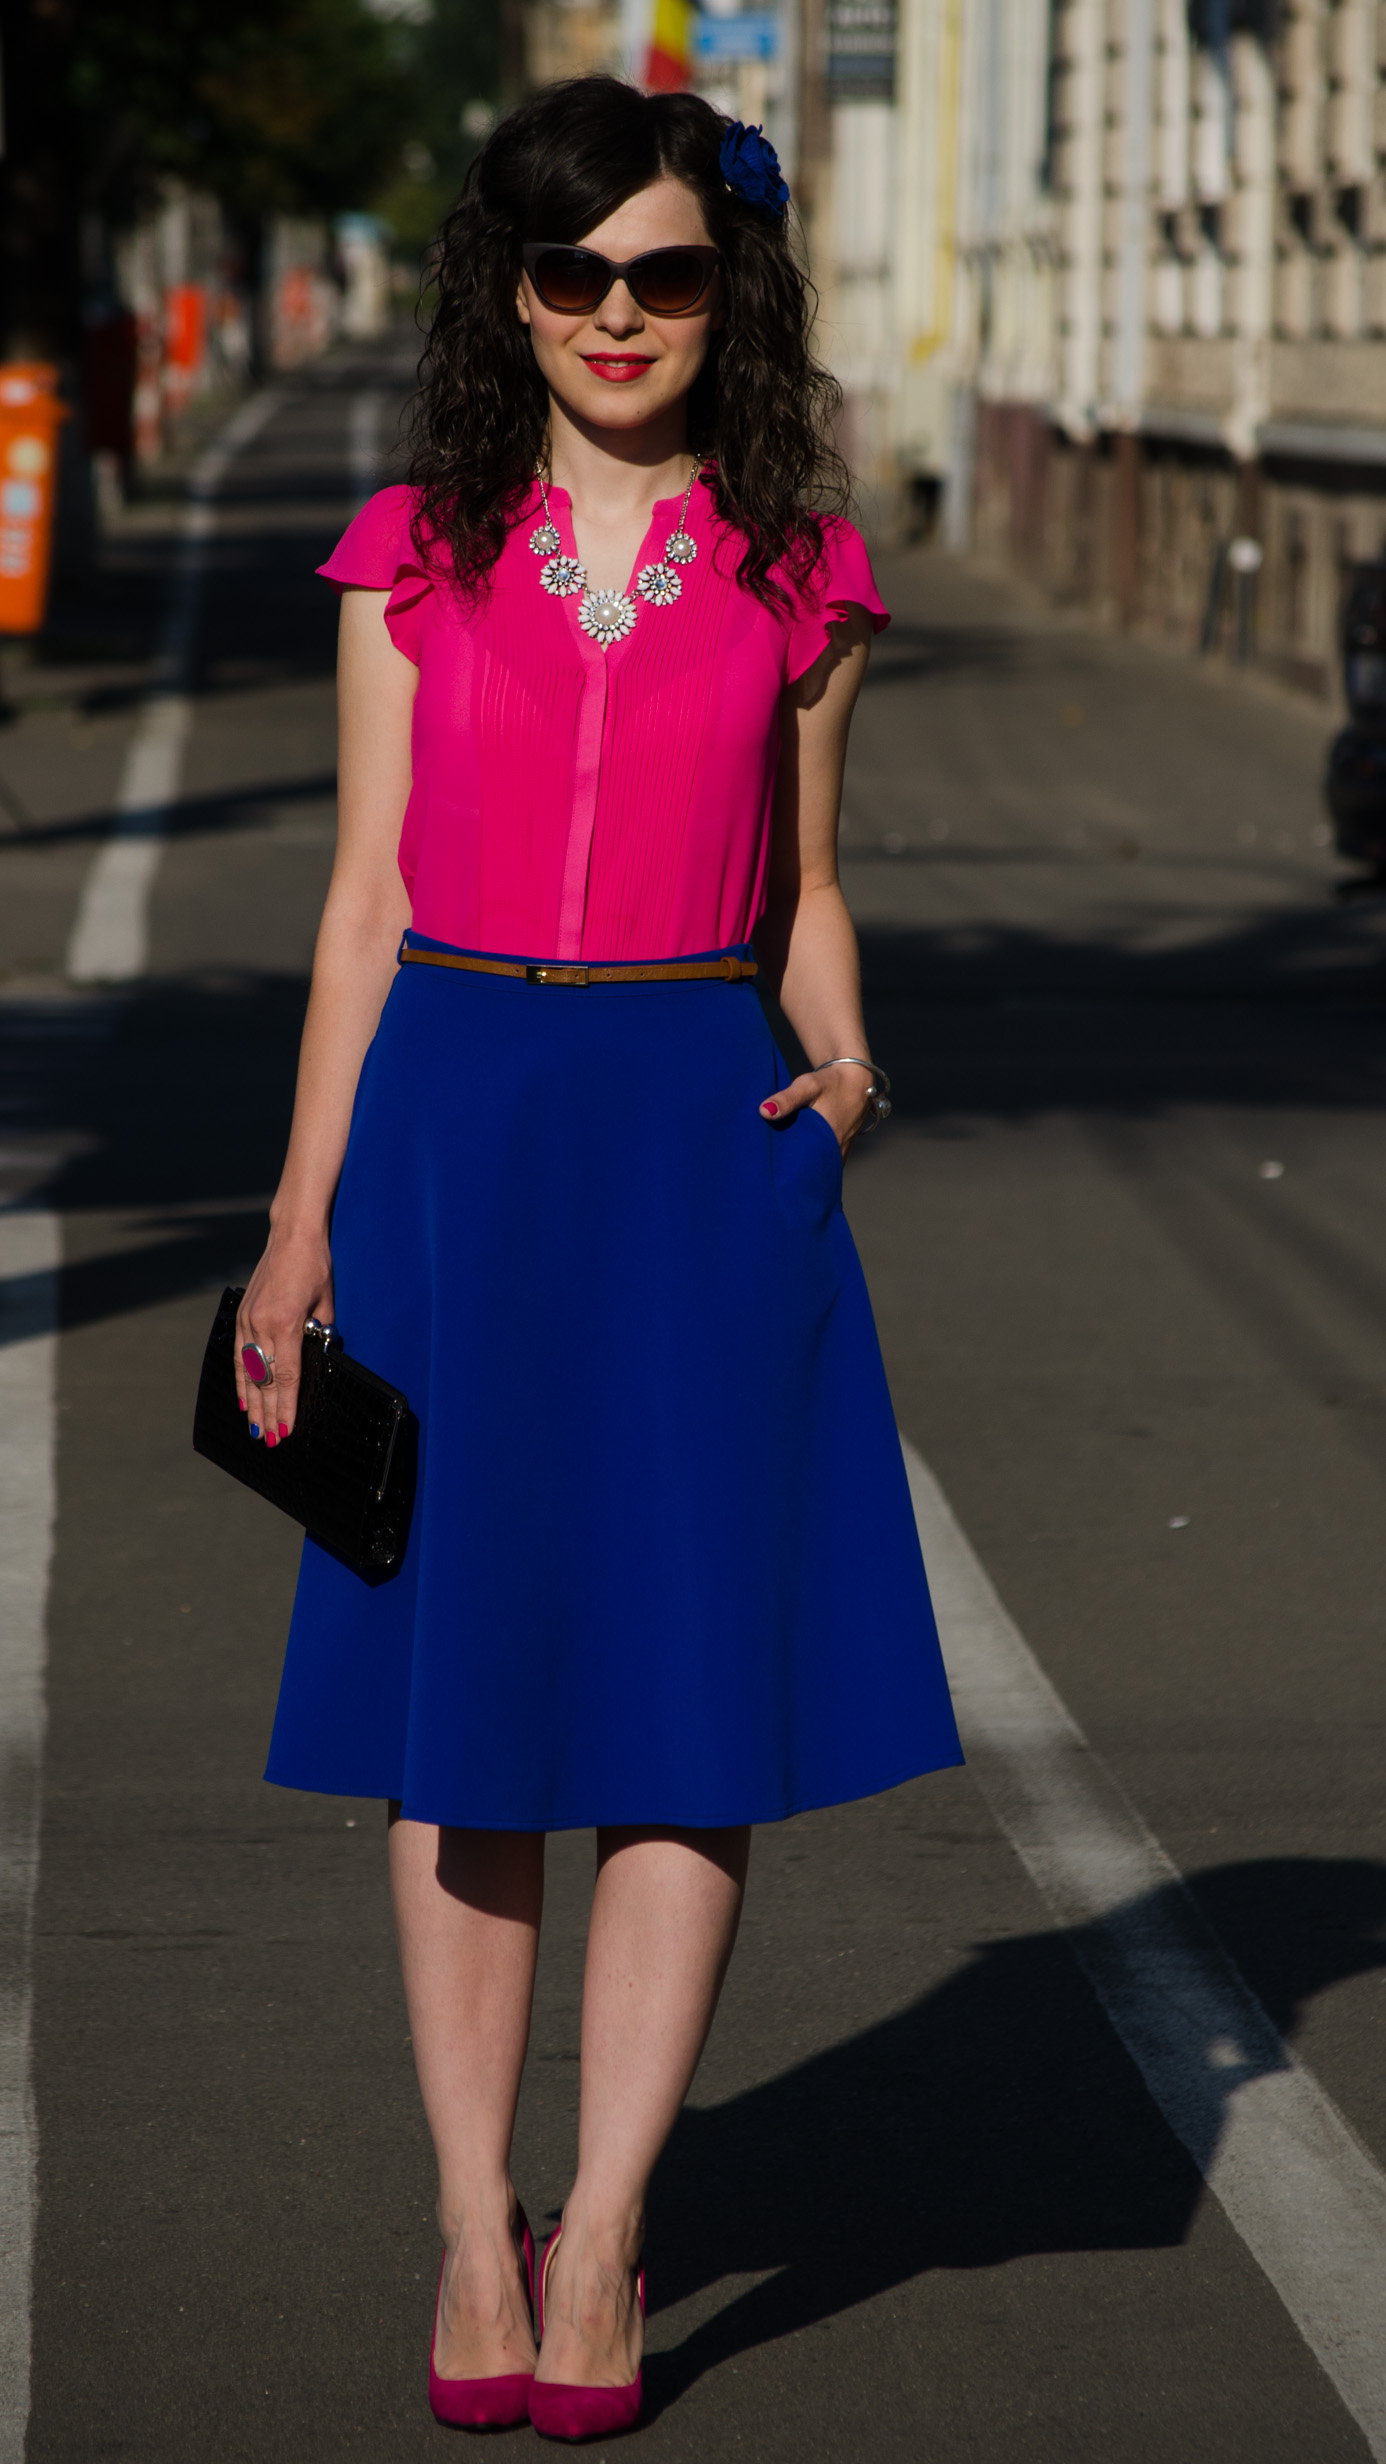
(618, 313)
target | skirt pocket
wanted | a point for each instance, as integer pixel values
(808, 1167)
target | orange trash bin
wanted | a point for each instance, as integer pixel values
(30, 417)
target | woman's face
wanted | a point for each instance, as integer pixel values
(618, 366)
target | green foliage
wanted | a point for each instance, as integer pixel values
(289, 105)
(456, 65)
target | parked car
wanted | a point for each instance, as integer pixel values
(1355, 783)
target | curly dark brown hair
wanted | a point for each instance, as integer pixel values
(762, 409)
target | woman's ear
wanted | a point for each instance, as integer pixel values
(521, 303)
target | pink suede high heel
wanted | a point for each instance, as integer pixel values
(558, 2411)
(500, 2403)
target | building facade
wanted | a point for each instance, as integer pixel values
(1204, 456)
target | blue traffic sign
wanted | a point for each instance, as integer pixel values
(753, 36)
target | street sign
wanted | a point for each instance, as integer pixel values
(752, 36)
(861, 51)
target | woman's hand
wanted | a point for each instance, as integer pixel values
(293, 1281)
(839, 1092)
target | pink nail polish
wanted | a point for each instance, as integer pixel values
(241, 1400)
(270, 1438)
(283, 1428)
(772, 1109)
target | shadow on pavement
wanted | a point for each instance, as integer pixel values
(180, 1094)
(225, 808)
(1002, 1022)
(996, 2118)
(912, 653)
(1290, 960)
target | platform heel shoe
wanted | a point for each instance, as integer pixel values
(500, 2403)
(575, 2413)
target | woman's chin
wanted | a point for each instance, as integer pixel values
(631, 405)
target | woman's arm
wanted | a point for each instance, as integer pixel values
(806, 936)
(366, 911)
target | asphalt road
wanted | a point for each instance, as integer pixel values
(921, 2203)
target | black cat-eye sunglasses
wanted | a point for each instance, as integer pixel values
(665, 282)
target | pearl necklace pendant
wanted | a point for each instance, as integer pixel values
(606, 616)
(679, 549)
(545, 540)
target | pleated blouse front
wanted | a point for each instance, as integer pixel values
(571, 802)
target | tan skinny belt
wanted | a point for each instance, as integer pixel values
(727, 970)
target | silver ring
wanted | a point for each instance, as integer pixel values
(257, 1363)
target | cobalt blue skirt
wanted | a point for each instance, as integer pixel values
(663, 1566)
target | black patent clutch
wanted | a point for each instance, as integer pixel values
(347, 1472)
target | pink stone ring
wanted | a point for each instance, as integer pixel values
(257, 1364)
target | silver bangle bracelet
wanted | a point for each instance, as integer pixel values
(877, 1095)
(855, 1060)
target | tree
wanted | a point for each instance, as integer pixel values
(456, 85)
(288, 105)
(270, 105)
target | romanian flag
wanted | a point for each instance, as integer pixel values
(666, 61)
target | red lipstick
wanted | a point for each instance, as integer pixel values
(616, 368)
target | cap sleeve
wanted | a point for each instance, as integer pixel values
(842, 579)
(376, 552)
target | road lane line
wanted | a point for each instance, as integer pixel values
(29, 1259)
(109, 941)
(363, 444)
(1307, 2198)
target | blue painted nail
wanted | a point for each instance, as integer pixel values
(254, 1430)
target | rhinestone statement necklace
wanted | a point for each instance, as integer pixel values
(607, 616)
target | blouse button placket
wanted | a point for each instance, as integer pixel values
(587, 762)
(587, 770)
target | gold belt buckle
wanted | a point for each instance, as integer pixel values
(555, 975)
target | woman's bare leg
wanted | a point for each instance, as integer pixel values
(664, 1919)
(467, 1910)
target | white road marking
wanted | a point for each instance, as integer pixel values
(29, 1258)
(363, 444)
(1306, 2197)
(109, 942)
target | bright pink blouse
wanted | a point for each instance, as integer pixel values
(579, 803)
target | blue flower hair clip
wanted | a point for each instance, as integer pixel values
(751, 168)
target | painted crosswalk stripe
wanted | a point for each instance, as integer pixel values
(1306, 2197)
(109, 941)
(29, 1258)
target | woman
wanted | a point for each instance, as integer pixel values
(598, 662)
